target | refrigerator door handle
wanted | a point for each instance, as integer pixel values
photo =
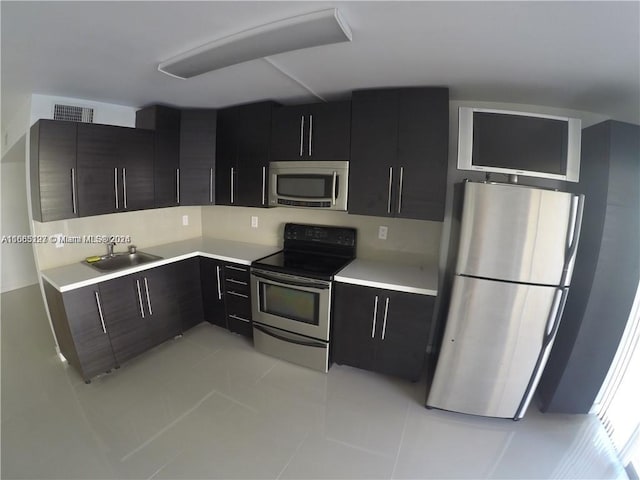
(575, 225)
(553, 322)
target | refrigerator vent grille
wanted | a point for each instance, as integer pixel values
(72, 113)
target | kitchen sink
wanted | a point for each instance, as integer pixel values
(118, 261)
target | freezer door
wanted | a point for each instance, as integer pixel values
(518, 233)
(496, 341)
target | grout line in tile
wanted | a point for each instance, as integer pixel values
(355, 447)
(404, 429)
(237, 402)
(293, 455)
(173, 457)
(167, 427)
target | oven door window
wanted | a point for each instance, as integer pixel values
(291, 303)
(306, 186)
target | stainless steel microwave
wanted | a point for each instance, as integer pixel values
(309, 184)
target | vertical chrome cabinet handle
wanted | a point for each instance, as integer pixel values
(124, 187)
(73, 191)
(333, 188)
(177, 185)
(400, 189)
(384, 322)
(115, 186)
(301, 134)
(389, 197)
(146, 290)
(104, 329)
(310, 132)
(211, 185)
(140, 298)
(219, 283)
(375, 314)
(264, 185)
(232, 184)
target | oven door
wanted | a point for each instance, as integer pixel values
(309, 184)
(292, 303)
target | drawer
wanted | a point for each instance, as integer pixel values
(237, 286)
(238, 306)
(239, 273)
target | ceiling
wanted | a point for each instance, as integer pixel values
(574, 55)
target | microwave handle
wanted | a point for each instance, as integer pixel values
(333, 188)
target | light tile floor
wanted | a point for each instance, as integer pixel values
(208, 406)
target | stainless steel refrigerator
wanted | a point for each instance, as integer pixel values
(515, 259)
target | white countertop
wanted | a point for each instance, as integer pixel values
(391, 276)
(77, 275)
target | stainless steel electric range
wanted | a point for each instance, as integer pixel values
(291, 293)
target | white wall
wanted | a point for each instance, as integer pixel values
(18, 266)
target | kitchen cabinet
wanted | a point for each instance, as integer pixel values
(197, 157)
(607, 269)
(140, 311)
(399, 152)
(237, 298)
(115, 169)
(165, 122)
(212, 277)
(53, 170)
(381, 330)
(188, 292)
(319, 131)
(80, 329)
(242, 162)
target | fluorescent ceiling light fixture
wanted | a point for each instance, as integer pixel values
(303, 31)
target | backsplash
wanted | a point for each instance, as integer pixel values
(408, 241)
(146, 228)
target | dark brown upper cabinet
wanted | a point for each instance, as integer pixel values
(399, 152)
(242, 163)
(197, 157)
(115, 169)
(53, 168)
(318, 131)
(165, 121)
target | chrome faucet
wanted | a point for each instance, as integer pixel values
(110, 246)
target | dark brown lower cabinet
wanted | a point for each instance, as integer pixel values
(80, 329)
(381, 330)
(237, 298)
(188, 292)
(211, 279)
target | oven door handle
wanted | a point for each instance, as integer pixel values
(289, 340)
(287, 282)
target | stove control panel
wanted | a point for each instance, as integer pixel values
(323, 234)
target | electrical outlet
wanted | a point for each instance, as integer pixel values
(59, 239)
(254, 222)
(185, 220)
(382, 232)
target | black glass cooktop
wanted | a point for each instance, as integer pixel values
(303, 264)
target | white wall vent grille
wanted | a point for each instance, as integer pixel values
(72, 113)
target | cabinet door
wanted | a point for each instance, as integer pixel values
(374, 148)
(289, 129)
(165, 122)
(329, 131)
(402, 339)
(226, 153)
(125, 317)
(212, 278)
(99, 178)
(423, 143)
(197, 156)
(136, 168)
(188, 292)
(355, 323)
(254, 125)
(160, 301)
(53, 170)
